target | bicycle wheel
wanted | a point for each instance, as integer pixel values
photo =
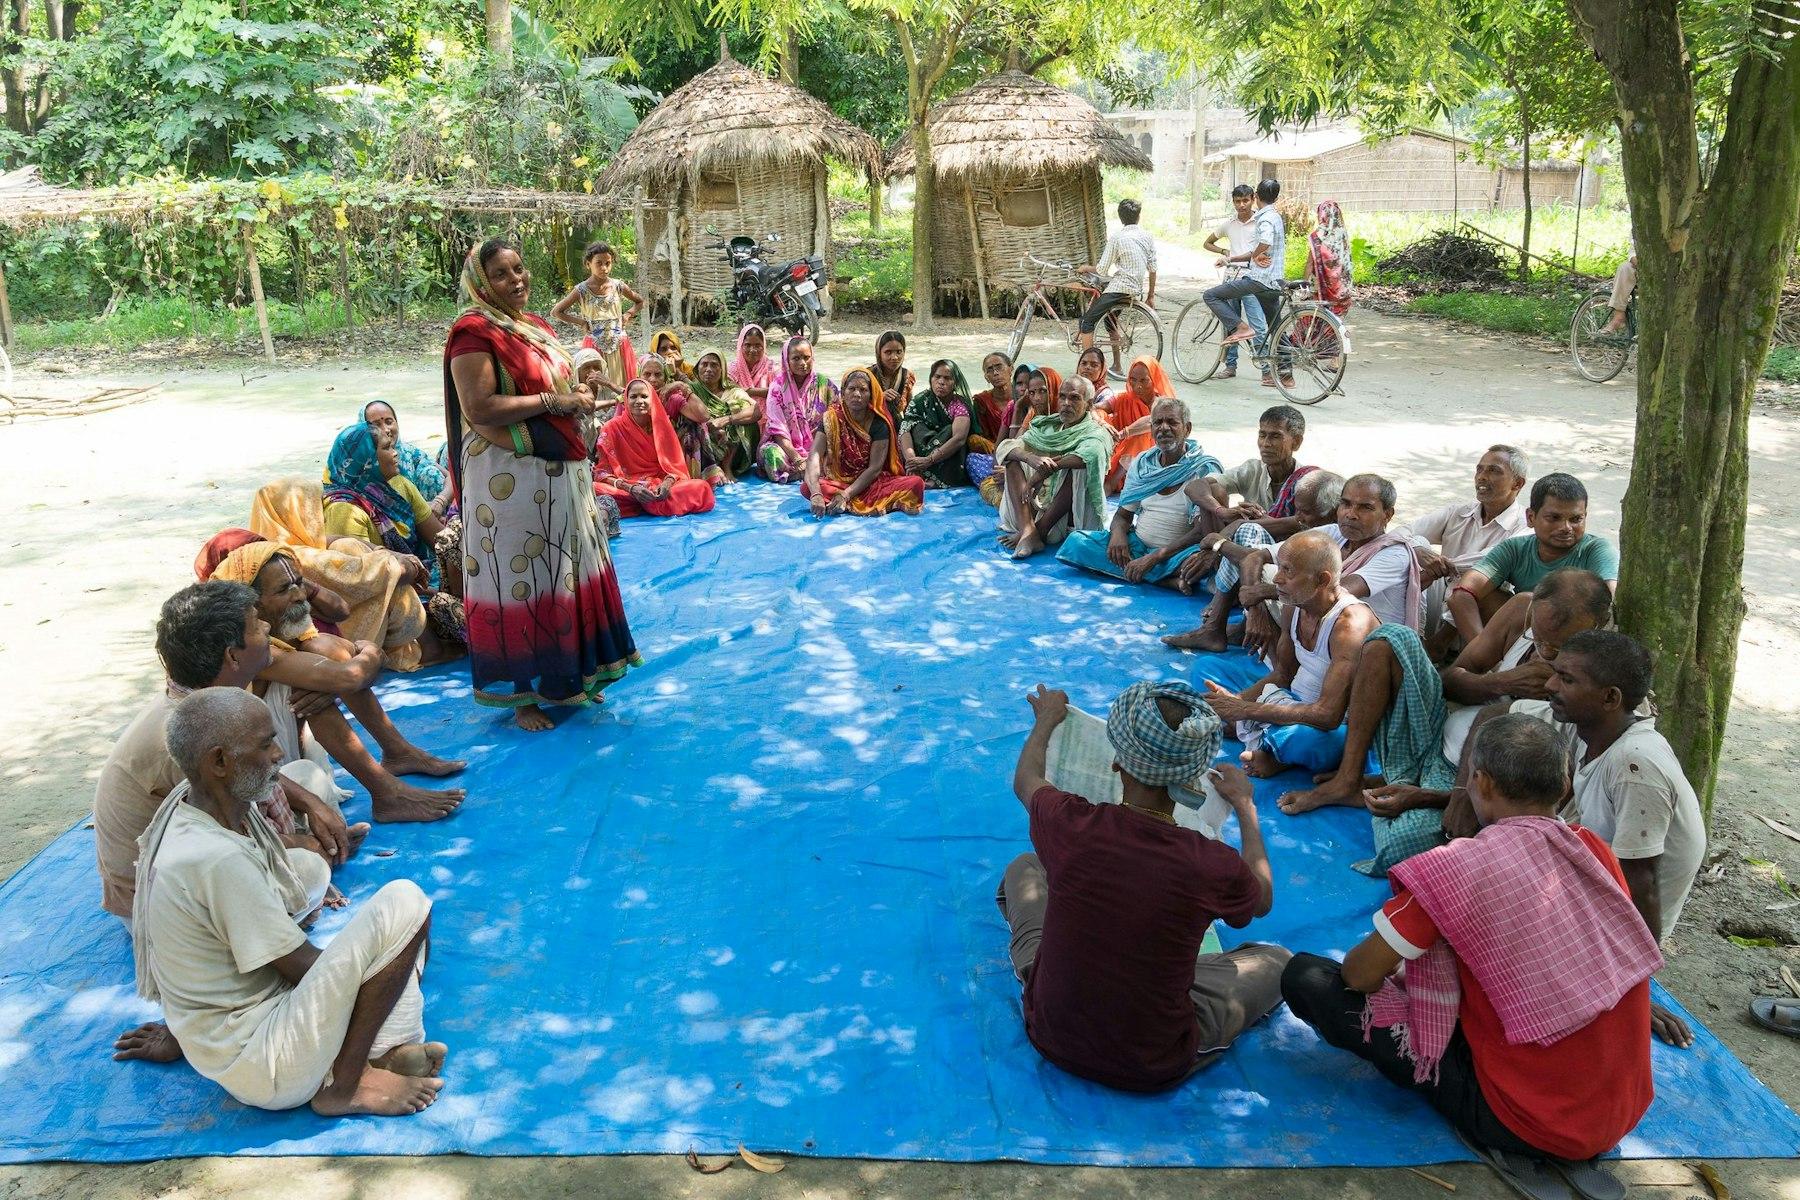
(1021, 328)
(1599, 355)
(1133, 331)
(1197, 335)
(1312, 341)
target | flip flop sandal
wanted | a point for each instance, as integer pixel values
(1763, 1010)
(1531, 1178)
(1589, 1179)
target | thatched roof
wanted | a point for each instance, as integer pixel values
(729, 117)
(1017, 123)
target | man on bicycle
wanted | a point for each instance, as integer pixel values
(1261, 284)
(1239, 236)
(1130, 260)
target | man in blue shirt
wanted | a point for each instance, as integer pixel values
(1262, 282)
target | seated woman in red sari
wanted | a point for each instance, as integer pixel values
(640, 463)
(854, 463)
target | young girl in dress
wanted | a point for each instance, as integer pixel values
(596, 308)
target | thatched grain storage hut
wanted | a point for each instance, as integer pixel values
(1017, 165)
(737, 150)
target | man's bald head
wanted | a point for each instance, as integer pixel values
(1313, 554)
(214, 727)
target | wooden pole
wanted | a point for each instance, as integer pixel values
(256, 294)
(980, 256)
(6, 326)
(344, 279)
(677, 298)
(637, 230)
(1197, 158)
(821, 239)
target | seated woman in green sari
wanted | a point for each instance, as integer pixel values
(1054, 473)
(717, 423)
(934, 434)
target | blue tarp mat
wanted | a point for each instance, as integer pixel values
(751, 898)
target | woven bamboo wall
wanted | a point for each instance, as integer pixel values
(779, 198)
(1076, 233)
(1410, 173)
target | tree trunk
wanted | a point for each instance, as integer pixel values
(790, 58)
(1710, 269)
(499, 32)
(876, 184)
(1525, 187)
(924, 194)
(12, 79)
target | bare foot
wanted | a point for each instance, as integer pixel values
(148, 1043)
(1029, 544)
(408, 803)
(355, 835)
(1260, 764)
(532, 719)
(1009, 540)
(1204, 638)
(434, 650)
(420, 1060)
(414, 761)
(1349, 794)
(378, 1093)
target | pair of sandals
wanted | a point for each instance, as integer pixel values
(1780, 1013)
(1550, 1178)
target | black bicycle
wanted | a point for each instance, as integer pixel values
(1601, 354)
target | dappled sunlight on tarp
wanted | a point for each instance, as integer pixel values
(751, 898)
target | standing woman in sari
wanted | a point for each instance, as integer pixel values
(854, 464)
(934, 434)
(718, 423)
(797, 399)
(890, 373)
(1328, 261)
(1053, 473)
(751, 367)
(640, 461)
(1145, 383)
(546, 624)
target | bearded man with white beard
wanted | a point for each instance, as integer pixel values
(253, 1004)
(322, 669)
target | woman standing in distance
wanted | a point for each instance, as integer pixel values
(546, 624)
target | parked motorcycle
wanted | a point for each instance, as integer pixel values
(785, 296)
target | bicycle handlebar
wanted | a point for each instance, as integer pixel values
(1031, 260)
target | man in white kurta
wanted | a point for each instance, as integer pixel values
(254, 1006)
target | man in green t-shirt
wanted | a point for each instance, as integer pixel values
(1557, 519)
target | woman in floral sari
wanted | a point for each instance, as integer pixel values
(640, 463)
(797, 398)
(854, 464)
(934, 434)
(418, 467)
(1328, 262)
(367, 497)
(546, 623)
(1145, 383)
(717, 423)
(1053, 473)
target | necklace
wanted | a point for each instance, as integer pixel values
(1166, 818)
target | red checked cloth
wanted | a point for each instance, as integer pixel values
(1546, 931)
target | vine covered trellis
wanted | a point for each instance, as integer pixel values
(377, 244)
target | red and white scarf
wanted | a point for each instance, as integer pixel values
(1544, 928)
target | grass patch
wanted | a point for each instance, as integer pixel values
(1543, 315)
(1783, 364)
(872, 269)
(140, 321)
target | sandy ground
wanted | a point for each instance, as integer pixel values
(107, 511)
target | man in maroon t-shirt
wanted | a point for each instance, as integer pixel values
(1108, 915)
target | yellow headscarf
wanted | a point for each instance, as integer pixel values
(477, 298)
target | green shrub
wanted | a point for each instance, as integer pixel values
(1783, 364)
(1546, 315)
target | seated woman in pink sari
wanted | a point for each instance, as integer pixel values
(640, 463)
(854, 463)
(797, 398)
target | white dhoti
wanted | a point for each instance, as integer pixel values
(1082, 515)
(288, 1059)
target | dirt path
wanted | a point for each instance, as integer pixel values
(109, 510)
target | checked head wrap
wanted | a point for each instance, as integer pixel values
(1145, 745)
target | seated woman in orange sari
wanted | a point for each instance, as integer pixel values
(854, 463)
(1129, 416)
(640, 464)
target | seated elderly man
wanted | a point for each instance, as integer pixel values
(1449, 541)
(253, 1004)
(1238, 565)
(326, 669)
(1055, 473)
(1378, 562)
(1294, 715)
(1153, 529)
(1524, 1013)
(1558, 540)
(1109, 913)
(208, 635)
(1265, 485)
